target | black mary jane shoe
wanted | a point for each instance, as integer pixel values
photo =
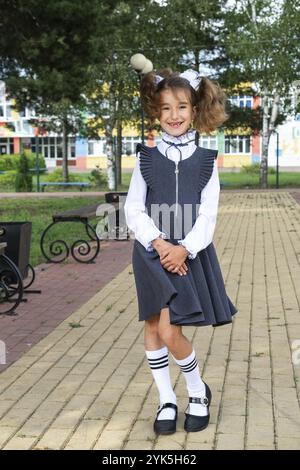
(195, 423)
(165, 426)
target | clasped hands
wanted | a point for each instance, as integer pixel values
(172, 257)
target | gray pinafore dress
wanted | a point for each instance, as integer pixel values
(199, 298)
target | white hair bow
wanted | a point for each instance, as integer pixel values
(193, 77)
(190, 75)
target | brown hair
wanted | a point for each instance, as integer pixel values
(209, 99)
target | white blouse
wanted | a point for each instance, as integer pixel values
(143, 226)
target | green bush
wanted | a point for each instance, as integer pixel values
(11, 162)
(8, 180)
(251, 169)
(23, 181)
(32, 160)
(97, 178)
(57, 177)
(254, 169)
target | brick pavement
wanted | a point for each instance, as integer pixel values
(65, 287)
(90, 387)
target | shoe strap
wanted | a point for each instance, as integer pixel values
(201, 401)
(167, 405)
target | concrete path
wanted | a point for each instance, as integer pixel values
(90, 387)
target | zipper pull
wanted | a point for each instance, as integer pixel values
(176, 173)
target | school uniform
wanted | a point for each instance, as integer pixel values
(181, 175)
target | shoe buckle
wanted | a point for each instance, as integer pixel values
(202, 401)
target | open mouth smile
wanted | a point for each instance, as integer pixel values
(175, 124)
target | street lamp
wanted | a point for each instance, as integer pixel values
(141, 65)
(37, 163)
(277, 159)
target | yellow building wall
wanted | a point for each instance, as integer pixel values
(236, 160)
(233, 161)
(91, 162)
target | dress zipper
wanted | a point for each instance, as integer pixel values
(176, 173)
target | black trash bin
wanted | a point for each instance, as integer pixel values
(117, 221)
(17, 235)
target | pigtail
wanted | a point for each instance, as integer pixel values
(210, 106)
(148, 98)
(149, 91)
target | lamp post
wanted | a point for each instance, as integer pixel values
(37, 163)
(277, 159)
(141, 65)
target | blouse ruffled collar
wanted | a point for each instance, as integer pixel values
(181, 139)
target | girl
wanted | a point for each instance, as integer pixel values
(171, 207)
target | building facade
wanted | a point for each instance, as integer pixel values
(235, 148)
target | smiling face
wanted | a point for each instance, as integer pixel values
(176, 111)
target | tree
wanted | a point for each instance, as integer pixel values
(49, 53)
(23, 182)
(115, 100)
(176, 34)
(263, 47)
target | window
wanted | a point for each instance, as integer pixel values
(91, 148)
(26, 127)
(6, 146)
(59, 151)
(17, 125)
(129, 145)
(237, 144)
(52, 147)
(72, 147)
(243, 101)
(208, 142)
(8, 111)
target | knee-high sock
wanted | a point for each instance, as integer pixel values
(195, 385)
(159, 364)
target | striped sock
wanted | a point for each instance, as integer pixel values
(159, 364)
(195, 385)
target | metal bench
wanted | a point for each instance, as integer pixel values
(80, 249)
(16, 273)
(77, 184)
(11, 284)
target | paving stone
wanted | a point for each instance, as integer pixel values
(90, 387)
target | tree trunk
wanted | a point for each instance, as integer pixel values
(119, 152)
(110, 157)
(274, 113)
(197, 59)
(263, 181)
(65, 152)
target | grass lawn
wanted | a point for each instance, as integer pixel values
(246, 180)
(39, 211)
(83, 177)
(231, 180)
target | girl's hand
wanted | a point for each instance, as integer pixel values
(174, 259)
(164, 248)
